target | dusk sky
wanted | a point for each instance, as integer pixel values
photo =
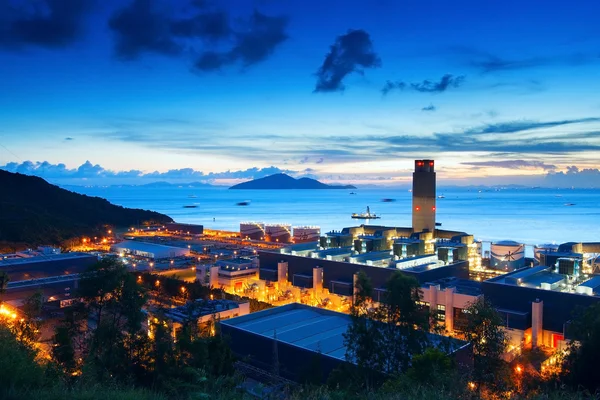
(496, 91)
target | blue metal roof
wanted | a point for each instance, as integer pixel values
(311, 328)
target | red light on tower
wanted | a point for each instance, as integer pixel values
(417, 208)
(433, 208)
(431, 163)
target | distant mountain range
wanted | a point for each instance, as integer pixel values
(33, 211)
(283, 181)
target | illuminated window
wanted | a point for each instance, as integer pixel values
(441, 312)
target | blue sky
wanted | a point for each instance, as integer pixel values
(497, 92)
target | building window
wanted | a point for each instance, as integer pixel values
(423, 305)
(441, 312)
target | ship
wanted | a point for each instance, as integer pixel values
(243, 203)
(190, 206)
(366, 215)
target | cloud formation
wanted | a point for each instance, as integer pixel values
(520, 126)
(430, 108)
(139, 27)
(89, 171)
(253, 43)
(446, 82)
(144, 27)
(512, 164)
(44, 23)
(352, 52)
(574, 177)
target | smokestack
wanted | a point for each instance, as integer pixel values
(423, 193)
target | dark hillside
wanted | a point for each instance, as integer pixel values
(33, 211)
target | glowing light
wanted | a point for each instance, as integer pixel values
(417, 208)
(519, 369)
(157, 283)
(472, 385)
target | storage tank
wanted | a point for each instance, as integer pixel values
(304, 234)
(281, 233)
(543, 248)
(507, 255)
(252, 230)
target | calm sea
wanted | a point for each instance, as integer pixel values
(529, 216)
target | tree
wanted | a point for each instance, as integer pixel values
(362, 337)
(580, 364)
(405, 323)
(3, 284)
(27, 329)
(485, 333)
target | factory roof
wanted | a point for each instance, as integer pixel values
(199, 308)
(43, 258)
(462, 286)
(507, 243)
(143, 246)
(311, 328)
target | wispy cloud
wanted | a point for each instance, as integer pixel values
(446, 82)
(352, 52)
(429, 108)
(512, 164)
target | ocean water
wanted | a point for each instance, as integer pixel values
(530, 216)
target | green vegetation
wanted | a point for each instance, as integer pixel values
(41, 213)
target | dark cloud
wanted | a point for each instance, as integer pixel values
(69, 138)
(213, 25)
(446, 82)
(512, 164)
(253, 43)
(44, 23)
(352, 52)
(139, 28)
(430, 107)
(389, 86)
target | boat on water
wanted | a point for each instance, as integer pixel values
(438, 224)
(388, 200)
(190, 206)
(192, 196)
(366, 215)
(569, 204)
(243, 203)
(352, 193)
(441, 196)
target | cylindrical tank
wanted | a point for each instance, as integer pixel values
(304, 234)
(281, 233)
(252, 230)
(507, 255)
(543, 248)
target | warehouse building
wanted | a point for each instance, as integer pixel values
(185, 229)
(45, 266)
(298, 334)
(149, 250)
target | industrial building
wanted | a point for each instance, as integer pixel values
(37, 266)
(298, 333)
(233, 275)
(149, 250)
(424, 196)
(185, 229)
(201, 311)
(507, 255)
(282, 233)
(540, 301)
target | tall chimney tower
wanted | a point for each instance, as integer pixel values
(423, 196)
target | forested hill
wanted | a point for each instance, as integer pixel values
(33, 211)
(283, 181)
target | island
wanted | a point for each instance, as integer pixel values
(33, 212)
(283, 181)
